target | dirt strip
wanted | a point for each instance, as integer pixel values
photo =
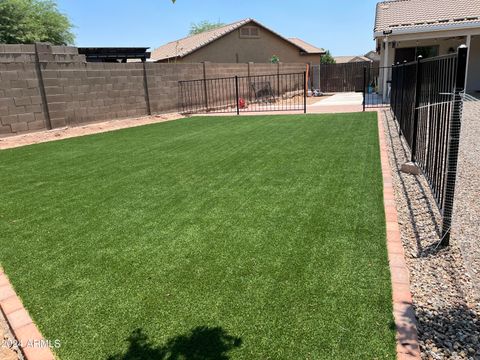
(93, 128)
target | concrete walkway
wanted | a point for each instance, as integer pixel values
(342, 99)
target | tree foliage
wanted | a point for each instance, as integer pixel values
(29, 21)
(274, 59)
(327, 58)
(202, 26)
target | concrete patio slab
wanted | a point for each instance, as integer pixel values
(342, 99)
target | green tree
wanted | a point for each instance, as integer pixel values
(202, 26)
(327, 58)
(29, 21)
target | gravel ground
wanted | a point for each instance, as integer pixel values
(443, 296)
(8, 348)
(466, 212)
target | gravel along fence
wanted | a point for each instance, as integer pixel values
(466, 211)
(448, 317)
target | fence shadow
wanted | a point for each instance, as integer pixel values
(429, 211)
(201, 343)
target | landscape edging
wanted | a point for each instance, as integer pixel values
(404, 314)
(31, 342)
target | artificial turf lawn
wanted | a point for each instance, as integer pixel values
(204, 238)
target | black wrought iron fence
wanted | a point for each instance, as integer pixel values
(426, 100)
(377, 82)
(278, 92)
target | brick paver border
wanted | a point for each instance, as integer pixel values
(33, 344)
(403, 312)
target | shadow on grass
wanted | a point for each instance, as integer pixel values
(201, 343)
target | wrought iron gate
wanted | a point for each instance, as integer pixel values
(259, 93)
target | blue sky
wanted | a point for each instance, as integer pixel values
(343, 26)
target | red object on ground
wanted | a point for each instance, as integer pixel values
(241, 103)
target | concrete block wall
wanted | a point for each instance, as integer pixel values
(44, 86)
(163, 81)
(78, 93)
(20, 99)
(219, 70)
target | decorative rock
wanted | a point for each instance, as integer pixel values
(410, 168)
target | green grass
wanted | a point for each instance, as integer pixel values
(204, 238)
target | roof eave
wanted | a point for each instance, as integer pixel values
(433, 28)
(313, 53)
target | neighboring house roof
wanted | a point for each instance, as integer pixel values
(425, 15)
(308, 48)
(373, 55)
(189, 44)
(349, 59)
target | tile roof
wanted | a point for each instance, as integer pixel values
(309, 48)
(189, 44)
(416, 14)
(353, 58)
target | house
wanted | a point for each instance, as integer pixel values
(240, 42)
(351, 59)
(405, 29)
(373, 56)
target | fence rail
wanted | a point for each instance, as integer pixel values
(256, 93)
(426, 100)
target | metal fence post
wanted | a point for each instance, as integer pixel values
(364, 87)
(205, 85)
(236, 94)
(278, 80)
(404, 70)
(305, 89)
(393, 89)
(454, 143)
(418, 89)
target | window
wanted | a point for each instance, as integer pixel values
(411, 54)
(249, 32)
(427, 51)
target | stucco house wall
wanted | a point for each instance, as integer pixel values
(473, 75)
(232, 48)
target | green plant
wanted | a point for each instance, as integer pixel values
(274, 59)
(202, 26)
(327, 58)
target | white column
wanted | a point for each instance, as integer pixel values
(385, 70)
(469, 44)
